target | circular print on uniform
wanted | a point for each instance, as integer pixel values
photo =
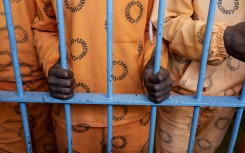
(124, 70)
(47, 10)
(82, 52)
(132, 6)
(165, 136)
(228, 10)
(74, 7)
(119, 142)
(122, 112)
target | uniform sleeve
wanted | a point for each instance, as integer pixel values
(186, 36)
(151, 44)
(46, 35)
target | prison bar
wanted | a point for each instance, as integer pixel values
(63, 58)
(14, 52)
(158, 52)
(123, 99)
(207, 40)
(109, 30)
(119, 99)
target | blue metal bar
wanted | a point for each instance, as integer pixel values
(205, 51)
(63, 58)
(109, 15)
(123, 99)
(158, 52)
(237, 122)
(160, 23)
(20, 93)
(201, 78)
(152, 128)
(193, 129)
(26, 127)
(12, 42)
(243, 92)
(109, 128)
(61, 29)
(68, 127)
(109, 25)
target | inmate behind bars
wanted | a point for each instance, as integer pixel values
(184, 29)
(39, 115)
(86, 45)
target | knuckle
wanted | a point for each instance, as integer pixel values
(156, 95)
(70, 90)
(66, 83)
(69, 83)
(50, 79)
(147, 86)
(160, 77)
(65, 73)
(50, 88)
(158, 101)
(53, 95)
(71, 73)
(170, 82)
(65, 97)
(155, 88)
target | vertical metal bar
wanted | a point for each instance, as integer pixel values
(201, 78)
(26, 127)
(109, 128)
(20, 92)
(193, 129)
(12, 41)
(243, 92)
(157, 61)
(63, 57)
(109, 15)
(237, 122)
(205, 51)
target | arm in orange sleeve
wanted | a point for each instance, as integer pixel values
(185, 36)
(46, 38)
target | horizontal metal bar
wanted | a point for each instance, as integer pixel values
(122, 99)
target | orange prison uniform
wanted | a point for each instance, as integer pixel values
(184, 29)
(85, 28)
(39, 115)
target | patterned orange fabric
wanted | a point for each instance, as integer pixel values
(85, 26)
(39, 115)
(125, 138)
(185, 23)
(28, 58)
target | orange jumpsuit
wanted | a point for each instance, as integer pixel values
(185, 23)
(85, 26)
(39, 115)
